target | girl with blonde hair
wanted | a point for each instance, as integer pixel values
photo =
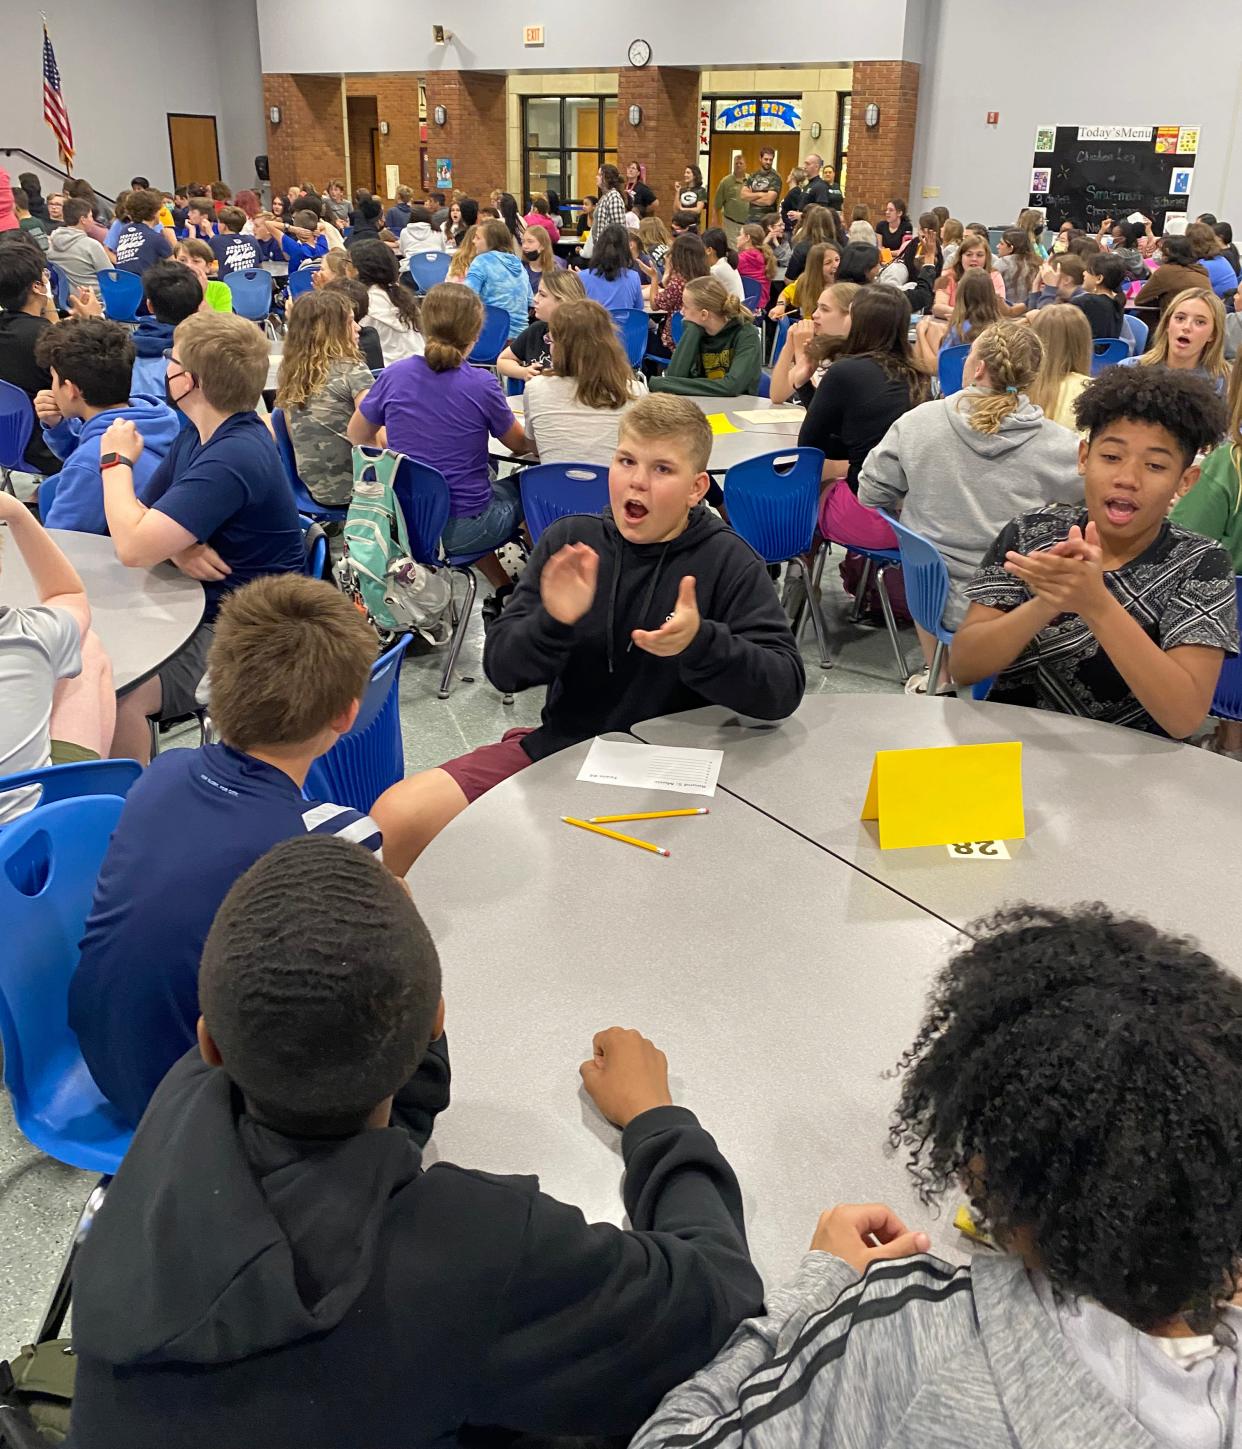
(1032, 223)
(333, 267)
(820, 271)
(812, 343)
(1065, 335)
(719, 354)
(322, 379)
(464, 255)
(537, 254)
(1018, 264)
(973, 254)
(1190, 336)
(951, 233)
(572, 414)
(530, 352)
(960, 468)
(977, 306)
(656, 240)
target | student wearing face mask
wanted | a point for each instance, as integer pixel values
(537, 255)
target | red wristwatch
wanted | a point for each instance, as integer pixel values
(110, 460)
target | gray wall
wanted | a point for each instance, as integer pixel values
(124, 65)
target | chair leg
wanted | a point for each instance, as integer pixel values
(815, 608)
(6, 481)
(864, 583)
(933, 678)
(459, 633)
(821, 558)
(153, 725)
(890, 624)
(54, 1316)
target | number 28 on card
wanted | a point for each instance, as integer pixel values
(979, 850)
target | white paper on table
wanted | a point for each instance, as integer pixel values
(771, 415)
(652, 767)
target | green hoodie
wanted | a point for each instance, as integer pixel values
(1213, 507)
(726, 365)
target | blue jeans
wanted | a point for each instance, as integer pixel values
(487, 530)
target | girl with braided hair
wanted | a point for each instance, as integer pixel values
(961, 467)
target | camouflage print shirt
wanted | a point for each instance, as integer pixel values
(317, 429)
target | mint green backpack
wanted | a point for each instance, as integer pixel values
(376, 570)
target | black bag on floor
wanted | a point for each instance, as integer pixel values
(36, 1396)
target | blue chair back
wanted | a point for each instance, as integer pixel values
(301, 281)
(676, 326)
(121, 293)
(47, 494)
(319, 512)
(83, 777)
(949, 367)
(752, 288)
(765, 384)
(494, 337)
(1227, 701)
(423, 493)
(983, 688)
(925, 576)
(634, 327)
(61, 284)
(316, 541)
(1137, 329)
(782, 333)
(514, 387)
(17, 419)
(1107, 352)
(427, 269)
(49, 860)
(252, 294)
(365, 762)
(773, 499)
(555, 490)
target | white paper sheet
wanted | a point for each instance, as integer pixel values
(652, 767)
(771, 415)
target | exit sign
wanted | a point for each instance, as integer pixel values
(532, 35)
(993, 118)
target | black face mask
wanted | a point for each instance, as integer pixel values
(168, 397)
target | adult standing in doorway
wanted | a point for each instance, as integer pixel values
(763, 189)
(610, 208)
(728, 205)
(821, 184)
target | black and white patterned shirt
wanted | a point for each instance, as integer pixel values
(1180, 590)
(609, 211)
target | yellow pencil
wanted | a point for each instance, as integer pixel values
(615, 835)
(645, 815)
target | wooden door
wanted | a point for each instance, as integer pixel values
(195, 149)
(749, 143)
(378, 174)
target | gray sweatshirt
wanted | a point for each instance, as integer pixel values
(959, 488)
(920, 1353)
(79, 256)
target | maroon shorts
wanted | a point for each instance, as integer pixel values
(477, 772)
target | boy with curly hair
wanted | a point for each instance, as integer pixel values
(1078, 1077)
(1112, 611)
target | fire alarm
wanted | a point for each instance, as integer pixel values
(993, 118)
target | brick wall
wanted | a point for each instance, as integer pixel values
(666, 139)
(881, 159)
(396, 102)
(474, 134)
(308, 143)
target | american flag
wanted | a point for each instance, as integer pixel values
(54, 111)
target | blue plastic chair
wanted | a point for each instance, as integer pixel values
(773, 502)
(365, 762)
(121, 293)
(634, 327)
(1227, 701)
(17, 420)
(60, 283)
(927, 589)
(252, 294)
(67, 782)
(1107, 352)
(493, 339)
(874, 560)
(676, 326)
(428, 269)
(751, 290)
(949, 367)
(301, 281)
(782, 333)
(514, 387)
(319, 512)
(556, 490)
(316, 541)
(1138, 331)
(765, 384)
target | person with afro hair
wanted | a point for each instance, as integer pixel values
(1111, 611)
(1078, 1078)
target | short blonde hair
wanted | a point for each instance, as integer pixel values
(228, 357)
(665, 416)
(290, 655)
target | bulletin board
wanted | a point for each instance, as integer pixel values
(1087, 173)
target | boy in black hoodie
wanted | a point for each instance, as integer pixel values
(272, 1267)
(650, 607)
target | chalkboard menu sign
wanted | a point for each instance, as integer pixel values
(1084, 174)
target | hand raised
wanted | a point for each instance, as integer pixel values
(847, 1230)
(626, 1076)
(678, 631)
(567, 583)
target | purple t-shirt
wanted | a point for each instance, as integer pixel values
(442, 419)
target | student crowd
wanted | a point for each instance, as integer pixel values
(273, 1264)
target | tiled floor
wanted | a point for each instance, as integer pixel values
(40, 1199)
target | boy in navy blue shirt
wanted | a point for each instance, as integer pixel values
(219, 504)
(302, 240)
(289, 665)
(234, 251)
(142, 242)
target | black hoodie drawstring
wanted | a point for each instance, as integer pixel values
(646, 603)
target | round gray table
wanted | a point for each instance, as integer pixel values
(1147, 825)
(142, 616)
(780, 982)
